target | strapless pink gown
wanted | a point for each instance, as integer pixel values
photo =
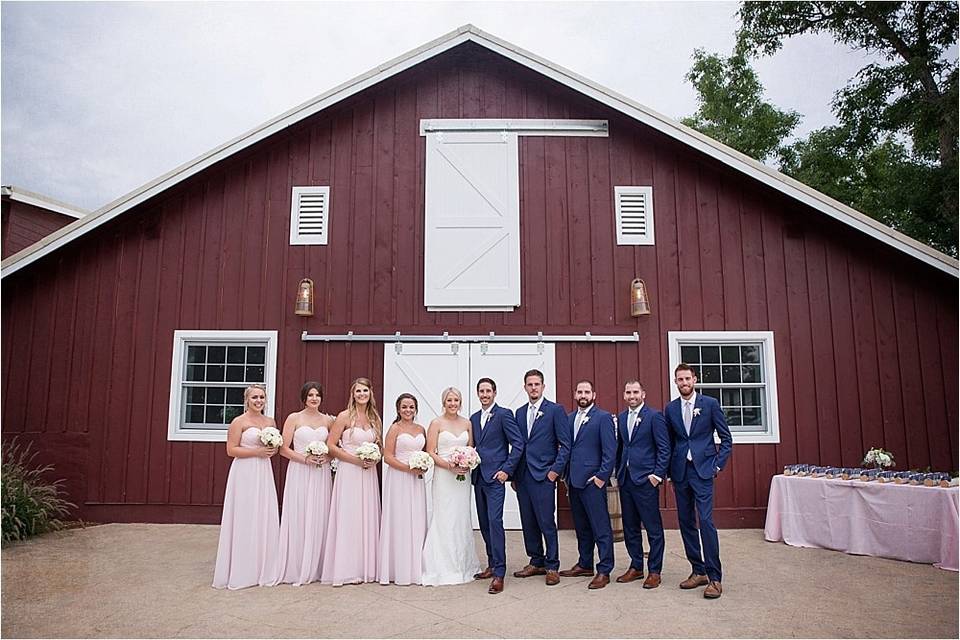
(403, 526)
(250, 529)
(306, 507)
(353, 532)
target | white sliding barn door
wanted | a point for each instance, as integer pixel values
(427, 369)
(472, 222)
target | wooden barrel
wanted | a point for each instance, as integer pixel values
(616, 518)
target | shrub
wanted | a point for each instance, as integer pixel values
(31, 504)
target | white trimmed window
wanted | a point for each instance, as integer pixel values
(309, 215)
(634, 215)
(210, 371)
(738, 369)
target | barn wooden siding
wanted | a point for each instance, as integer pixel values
(23, 224)
(866, 338)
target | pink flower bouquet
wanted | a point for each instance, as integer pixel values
(464, 457)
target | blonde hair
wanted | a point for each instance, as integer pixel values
(446, 392)
(371, 411)
(248, 391)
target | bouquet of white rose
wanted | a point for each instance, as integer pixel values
(878, 458)
(421, 460)
(270, 437)
(316, 448)
(368, 451)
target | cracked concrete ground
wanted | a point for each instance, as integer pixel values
(140, 581)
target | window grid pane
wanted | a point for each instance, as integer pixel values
(733, 375)
(232, 368)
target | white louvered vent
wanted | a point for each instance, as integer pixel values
(634, 210)
(309, 215)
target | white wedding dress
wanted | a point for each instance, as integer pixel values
(450, 551)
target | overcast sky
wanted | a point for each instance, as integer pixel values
(100, 98)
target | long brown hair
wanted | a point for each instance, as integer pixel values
(373, 416)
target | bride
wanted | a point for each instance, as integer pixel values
(450, 552)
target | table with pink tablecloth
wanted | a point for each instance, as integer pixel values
(906, 522)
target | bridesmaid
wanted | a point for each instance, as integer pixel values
(249, 530)
(306, 494)
(403, 526)
(350, 548)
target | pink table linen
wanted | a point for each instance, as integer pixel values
(905, 522)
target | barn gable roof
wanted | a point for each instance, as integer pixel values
(469, 33)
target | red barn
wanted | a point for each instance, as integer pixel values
(471, 209)
(27, 217)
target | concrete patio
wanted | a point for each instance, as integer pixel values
(154, 581)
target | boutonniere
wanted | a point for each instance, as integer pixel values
(696, 411)
(539, 415)
(585, 420)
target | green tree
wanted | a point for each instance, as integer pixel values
(897, 119)
(732, 109)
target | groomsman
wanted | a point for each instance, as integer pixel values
(643, 452)
(499, 444)
(592, 457)
(693, 418)
(543, 425)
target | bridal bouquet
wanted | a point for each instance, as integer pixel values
(368, 451)
(465, 457)
(878, 458)
(270, 437)
(316, 448)
(421, 460)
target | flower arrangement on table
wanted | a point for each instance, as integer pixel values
(271, 437)
(422, 461)
(878, 459)
(465, 458)
(368, 452)
(317, 448)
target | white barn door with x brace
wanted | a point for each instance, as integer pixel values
(425, 370)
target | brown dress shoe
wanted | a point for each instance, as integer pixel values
(694, 581)
(552, 578)
(652, 581)
(631, 575)
(496, 585)
(486, 574)
(577, 571)
(713, 590)
(528, 571)
(599, 581)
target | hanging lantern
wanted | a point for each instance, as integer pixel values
(304, 305)
(639, 302)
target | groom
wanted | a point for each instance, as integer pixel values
(499, 444)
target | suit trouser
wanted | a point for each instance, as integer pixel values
(591, 519)
(490, 516)
(695, 500)
(641, 505)
(537, 500)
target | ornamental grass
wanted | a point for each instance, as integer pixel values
(31, 504)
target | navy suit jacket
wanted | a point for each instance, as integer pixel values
(708, 458)
(648, 451)
(594, 450)
(547, 448)
(499, 445)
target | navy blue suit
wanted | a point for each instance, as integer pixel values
(644, 452)
(546, 448)
(693, 479)
(593, 453)
(500, 447)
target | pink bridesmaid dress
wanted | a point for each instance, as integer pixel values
(403, 527)
(306, 507)
(250, 529)
(353, 531)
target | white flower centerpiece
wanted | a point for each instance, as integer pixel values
(878, 459)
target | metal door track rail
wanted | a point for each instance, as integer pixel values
(350, 336)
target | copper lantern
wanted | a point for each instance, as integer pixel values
(639, 302)
(304, 305)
